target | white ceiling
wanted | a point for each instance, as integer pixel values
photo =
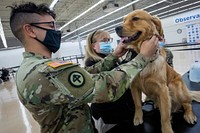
(67, 10)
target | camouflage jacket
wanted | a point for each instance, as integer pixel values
(100, 66)
(57, 92)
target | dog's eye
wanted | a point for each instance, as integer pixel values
(135, 18)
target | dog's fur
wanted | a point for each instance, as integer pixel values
(158, 80)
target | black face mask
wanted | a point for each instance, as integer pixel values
(52, 39)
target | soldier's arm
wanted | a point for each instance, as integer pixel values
(106, 64)
(74, 85)
(110, 86)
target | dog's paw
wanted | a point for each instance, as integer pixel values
(169, 130)
(137, 120)
(190, 118)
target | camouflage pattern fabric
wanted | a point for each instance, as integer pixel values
(57, 97)
(107, 64)
(169, 57)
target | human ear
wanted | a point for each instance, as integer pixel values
(94, 46)
(28, 30)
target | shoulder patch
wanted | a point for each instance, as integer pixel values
(76, 79)
(55, 64)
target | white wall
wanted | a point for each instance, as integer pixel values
(170, 26)
(11, 58)
(70, 48)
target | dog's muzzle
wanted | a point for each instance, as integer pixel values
(119, 30)
(127, 39)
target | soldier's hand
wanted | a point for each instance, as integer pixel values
(149, 47)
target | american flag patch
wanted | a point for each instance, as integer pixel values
(56, 64)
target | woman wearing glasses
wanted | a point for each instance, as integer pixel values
(98, 46)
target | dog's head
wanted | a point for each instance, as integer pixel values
(138, 26)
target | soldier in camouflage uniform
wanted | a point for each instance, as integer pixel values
(57, 93)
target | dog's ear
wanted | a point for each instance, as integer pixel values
(158, 25)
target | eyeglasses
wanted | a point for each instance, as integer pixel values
(107, 40)
(51, 24)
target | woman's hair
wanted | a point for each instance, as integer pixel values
(91, 39)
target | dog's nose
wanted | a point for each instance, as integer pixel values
(118, 30)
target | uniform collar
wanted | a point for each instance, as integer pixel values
(31, 54)
(101, 55)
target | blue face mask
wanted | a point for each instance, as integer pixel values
(161, 44)
(52, 39)
(105, 47)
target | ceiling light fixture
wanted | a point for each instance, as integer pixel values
(92, 30)
(118, 18)
(179, 7)
(167, 6)
(149, 12)
(194, 7)
(81, 14)
(101, 25)
(154, 4)
(110, 6)
(53, 4)
(102, 17)
(109, 21)
(2, 35)
(169, 1)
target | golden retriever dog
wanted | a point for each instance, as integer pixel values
(158, 80)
